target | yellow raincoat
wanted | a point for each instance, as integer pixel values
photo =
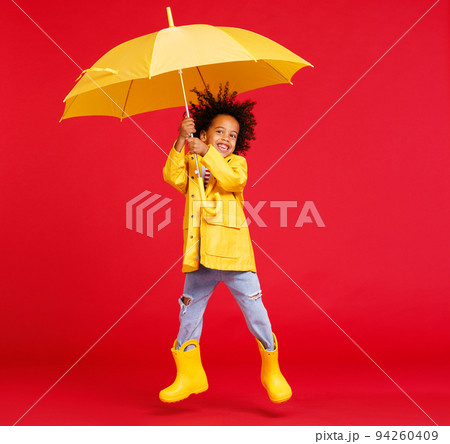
(225, 238)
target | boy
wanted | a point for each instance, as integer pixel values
(217, 245)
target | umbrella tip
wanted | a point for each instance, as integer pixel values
(169, 17)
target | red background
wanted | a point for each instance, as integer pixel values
(376, 167)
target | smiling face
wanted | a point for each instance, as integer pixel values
(222, 134)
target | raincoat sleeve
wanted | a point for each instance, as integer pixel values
(175, 171)
(230, 172)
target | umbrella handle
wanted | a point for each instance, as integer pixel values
(201, 186)
(180, 71)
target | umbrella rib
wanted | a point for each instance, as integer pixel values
(126, 100)
(67, 110)
(276, 70)
(200, 74)
(244, 49)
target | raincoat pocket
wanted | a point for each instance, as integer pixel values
(221, 241)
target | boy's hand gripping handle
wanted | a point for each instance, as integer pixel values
(201, 186)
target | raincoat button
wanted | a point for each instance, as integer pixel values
(192, 195)
(192, 158)
(192, 177)
(192, 237)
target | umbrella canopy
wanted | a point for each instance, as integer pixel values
(142, 74)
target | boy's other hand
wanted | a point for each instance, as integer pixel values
(196, 146)
(187, 127)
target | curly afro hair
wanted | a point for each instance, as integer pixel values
(209, 107)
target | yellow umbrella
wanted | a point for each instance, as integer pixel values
(142, 74)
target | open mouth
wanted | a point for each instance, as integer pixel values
(223, 148)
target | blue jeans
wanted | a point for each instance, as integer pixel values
(199, 285)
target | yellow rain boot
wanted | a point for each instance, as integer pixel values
(272, 380)
(191, 378)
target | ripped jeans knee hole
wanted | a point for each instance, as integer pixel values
(185, 301)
